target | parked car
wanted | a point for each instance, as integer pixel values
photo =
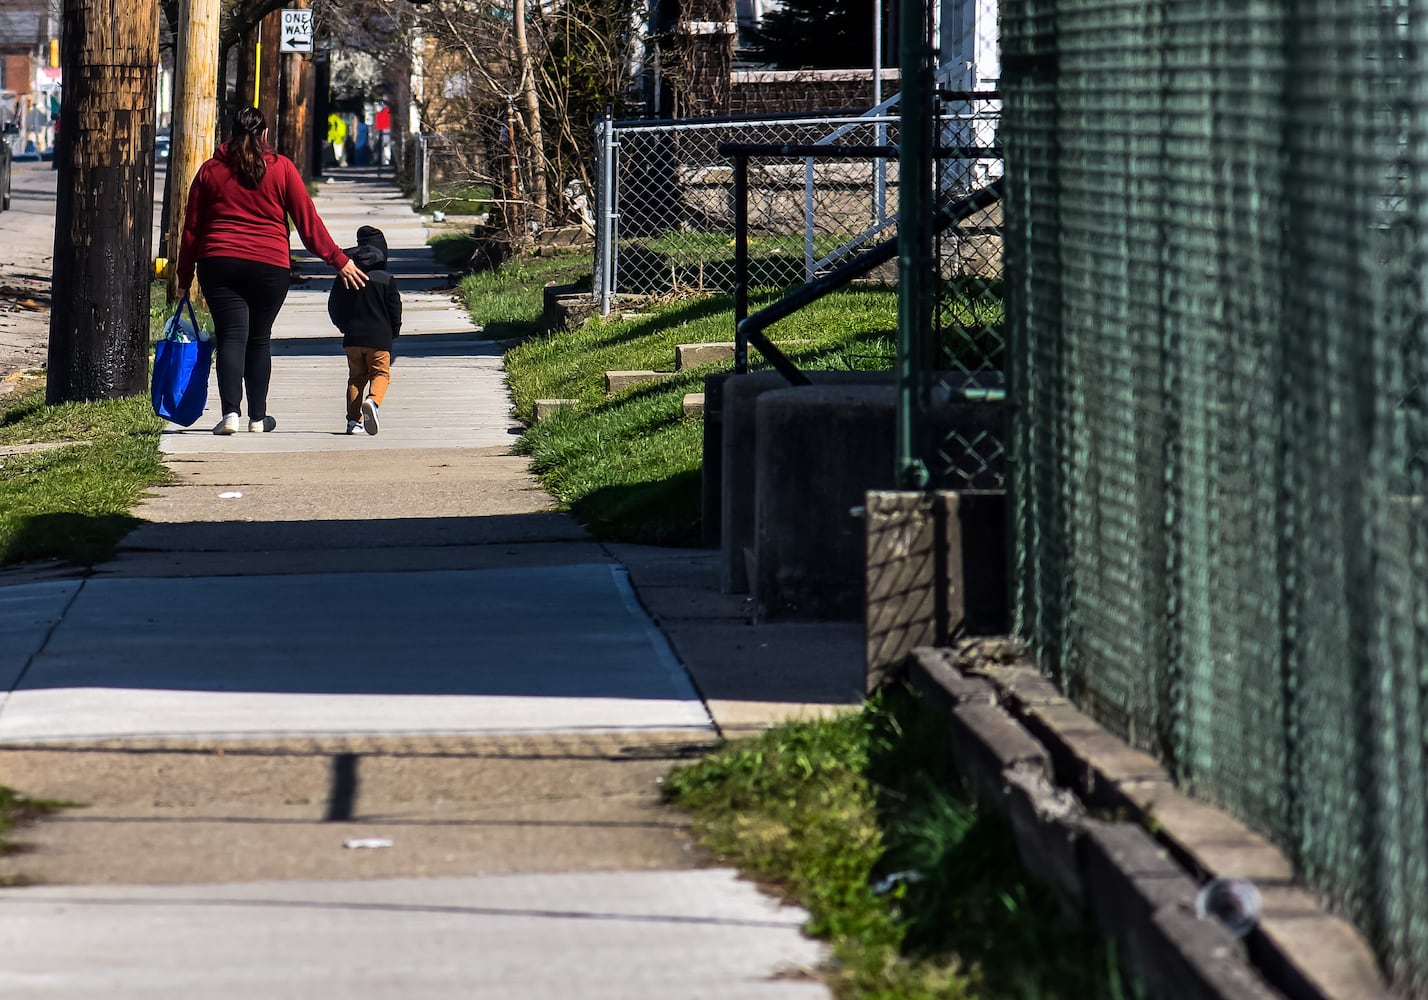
(161, 148)
(7, 137)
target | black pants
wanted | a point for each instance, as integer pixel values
(244, 297)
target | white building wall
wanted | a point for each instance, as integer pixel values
(971, 56)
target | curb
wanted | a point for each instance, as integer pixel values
(1081, 802)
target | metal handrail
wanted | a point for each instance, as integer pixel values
(750, 329)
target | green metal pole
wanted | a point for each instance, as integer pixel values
(915, 275)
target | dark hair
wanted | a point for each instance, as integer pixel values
(246, 149)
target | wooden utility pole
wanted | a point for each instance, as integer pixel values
(195, 113)
(292, 131)
(270, 61)
(99, 319)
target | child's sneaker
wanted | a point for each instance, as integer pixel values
(228, 425)
(369, 416)
(353, 426)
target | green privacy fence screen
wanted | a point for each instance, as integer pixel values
(1217, 249)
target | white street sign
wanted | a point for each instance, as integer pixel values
(297, 31)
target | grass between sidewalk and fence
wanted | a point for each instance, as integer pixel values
(71, 474)
(628, 465)
(919, 893)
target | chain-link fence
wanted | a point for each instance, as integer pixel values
(667, 215)
(1217, 219)
(969, 317)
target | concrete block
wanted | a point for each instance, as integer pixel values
(1088, 757)
(543, 408)
(1146, 903)
(987, 744)
(1046, 822)
(902, 538)
(711, 487)
(1310, 953)
(933, 672)
(566, 307)
(1212, 842)
(693, 404)
(737, 439)
(1022, 685)
(694, 355)
(818, 450)
(620, 381)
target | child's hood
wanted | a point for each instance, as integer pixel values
(370, 253)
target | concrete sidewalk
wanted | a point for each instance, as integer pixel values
(321, 639)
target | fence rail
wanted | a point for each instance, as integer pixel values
(666, 220)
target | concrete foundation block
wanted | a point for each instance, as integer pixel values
(818, 450)
(1146, 903)
(903, 539)
(931, 672)
(737, 442)
(694, 355)
(693, 404)
(544, 408)
(711, 495)
(988, 745)
(566, 307)
(936, 566)
(620, 381)
(1046, 822)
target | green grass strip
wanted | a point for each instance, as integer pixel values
(73, 501)
(919, 893)
(628, 465)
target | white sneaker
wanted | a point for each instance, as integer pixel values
(353, 426)
(262, 426)
(228, 425)
(369, 416)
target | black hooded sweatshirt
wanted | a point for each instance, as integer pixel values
(370, 316)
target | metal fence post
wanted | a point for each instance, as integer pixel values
(604, 247)
(741, 262)
(915, 286)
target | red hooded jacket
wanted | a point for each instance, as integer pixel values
(226, 219)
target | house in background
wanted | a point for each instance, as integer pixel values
(691, 60)
(27, 81)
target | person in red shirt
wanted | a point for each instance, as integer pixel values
(235, 234)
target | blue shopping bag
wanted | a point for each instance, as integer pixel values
(182, 360)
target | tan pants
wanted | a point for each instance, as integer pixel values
(367, 369)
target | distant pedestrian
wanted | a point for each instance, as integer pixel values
(370, 318)
(235, 234)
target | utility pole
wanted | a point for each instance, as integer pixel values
(195, 113)
(291, 135)
(99, 320)
(270, 61)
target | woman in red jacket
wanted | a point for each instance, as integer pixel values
(235, 232)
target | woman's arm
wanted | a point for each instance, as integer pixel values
(311, 231)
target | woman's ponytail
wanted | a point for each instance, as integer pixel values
(246, 150)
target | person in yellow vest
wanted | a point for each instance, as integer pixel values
(337, 137)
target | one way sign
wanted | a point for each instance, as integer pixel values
(297, 31)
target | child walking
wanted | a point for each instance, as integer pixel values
(370, 318)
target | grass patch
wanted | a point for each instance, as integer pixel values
(459, 199)
(453, 249)
(507, 303)
(73, 501)
(919, 893)
(628, 466)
